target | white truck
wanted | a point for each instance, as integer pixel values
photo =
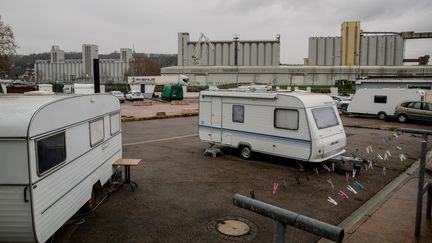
(53, 150)
(382, 102)
(297, 125)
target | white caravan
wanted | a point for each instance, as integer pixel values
(382, 102)
(53, 149)
(297, 125)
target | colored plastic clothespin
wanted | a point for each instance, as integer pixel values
(333, 166)
(398, 148)
(275, 186)
(326, 168)
(354, 173)
(331, 183)
(370, 148)
(370, 165)
(284, 185)
(347, 176)
(388, 153)
(380, 157)
(385, 156)
(359, 185)
(349, 188)
(332, 201)
(343, 194)
(367, 150)
(395, 135)
(385, 141)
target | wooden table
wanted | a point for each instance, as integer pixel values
(127, 163)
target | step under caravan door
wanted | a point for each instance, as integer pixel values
(216, 119)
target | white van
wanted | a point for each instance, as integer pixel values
(297, 125)
(53, 149)
(382, 102)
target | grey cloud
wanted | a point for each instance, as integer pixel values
(153, 25)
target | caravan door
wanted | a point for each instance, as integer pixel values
(216, 119)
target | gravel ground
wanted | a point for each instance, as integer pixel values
(182, 193)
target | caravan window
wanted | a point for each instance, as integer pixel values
(325, 117)
(97, 134)
(286, 119)
(51, 151)
(238, 113)
(115, 123)
(380, 99)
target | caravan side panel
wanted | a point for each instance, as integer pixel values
(15, 212)
(59, 195)
(15, 215)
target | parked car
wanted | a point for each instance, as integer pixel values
(414, 110)
(134, 95)
(119, 95)
(342, 102)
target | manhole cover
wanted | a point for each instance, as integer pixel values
(232, 227)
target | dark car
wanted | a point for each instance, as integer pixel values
(414, 110)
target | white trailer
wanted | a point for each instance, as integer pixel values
(295, 125)
(382, 102)
(53, 149)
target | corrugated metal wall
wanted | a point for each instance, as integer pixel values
(381, 50)
(325, 51)
(249, 53)
(223, 54)
(110, 70)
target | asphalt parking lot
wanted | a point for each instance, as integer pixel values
(182, 193)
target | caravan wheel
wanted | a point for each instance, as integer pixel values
(246, 152)
(382, 115)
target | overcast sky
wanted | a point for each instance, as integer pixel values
(152, 26)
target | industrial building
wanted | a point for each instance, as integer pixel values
(353, 55)
(291, 74)
(206, 52)
(357, 47)
(58, 69)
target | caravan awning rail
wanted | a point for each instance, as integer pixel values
(239, 94)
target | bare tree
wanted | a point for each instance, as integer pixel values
(141, 66)
(7, 47)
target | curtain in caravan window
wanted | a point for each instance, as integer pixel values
(96, 132)
(325, 117)
(286, 119)
(115, 123)
(238, 113)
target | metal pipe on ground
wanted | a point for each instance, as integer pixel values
(285, 217)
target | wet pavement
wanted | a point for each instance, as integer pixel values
(182, 193)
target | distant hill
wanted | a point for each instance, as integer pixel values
(22, 62)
